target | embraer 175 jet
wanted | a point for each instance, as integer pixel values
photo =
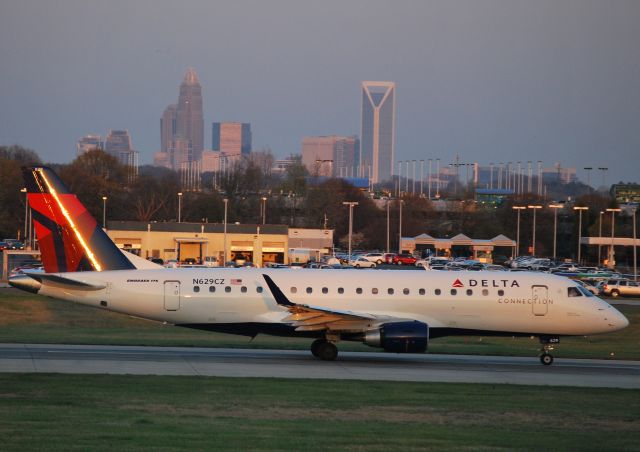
(398, 311)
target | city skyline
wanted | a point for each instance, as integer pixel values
(487, 80)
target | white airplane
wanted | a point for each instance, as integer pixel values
(398, 311)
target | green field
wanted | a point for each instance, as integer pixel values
(63, 412)
(26, 318)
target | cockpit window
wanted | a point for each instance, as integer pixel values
(585, 292)
(574, 292)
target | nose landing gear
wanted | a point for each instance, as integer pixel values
(548, 343)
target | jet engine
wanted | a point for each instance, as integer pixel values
(399, 337)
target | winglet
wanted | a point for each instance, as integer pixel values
(280, 297)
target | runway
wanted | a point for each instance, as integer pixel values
(82, 359)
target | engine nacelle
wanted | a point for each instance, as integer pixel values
(400, 337)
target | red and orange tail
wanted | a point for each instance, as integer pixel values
(70, 238)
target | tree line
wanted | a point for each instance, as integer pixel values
(294, 199)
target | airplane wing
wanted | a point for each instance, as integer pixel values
(313, 318)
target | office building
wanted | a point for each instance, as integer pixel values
(231, 137)
(118, 144)
(378, 131)
(182, 124)
(330, 156)
(89, 143)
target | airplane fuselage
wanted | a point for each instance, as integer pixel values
(448, 302)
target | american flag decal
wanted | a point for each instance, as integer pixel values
(236, 282)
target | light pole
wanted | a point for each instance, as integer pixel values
(350, 204)
(635, 260)
(600, 237)
(264, 210)
(26, 215)
(612, 261)
(104, 212)
(588, 170)
(224, 257)
(421, 176)
(400, 227)
(179, 207)
(555, 208)
(580, 209)
(387, 225)
(533, 239)
(518, 209)
(429, 178)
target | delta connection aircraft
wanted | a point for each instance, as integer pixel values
(398, 311)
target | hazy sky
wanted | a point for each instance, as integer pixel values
(491, 80)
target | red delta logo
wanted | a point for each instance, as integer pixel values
(457, 283)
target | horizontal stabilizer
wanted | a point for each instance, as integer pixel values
(64, 283)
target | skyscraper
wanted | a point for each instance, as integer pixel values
(331, 156)
(88, 143)
(378, 130)
(118, 144)
(184, 122)
(231, 137)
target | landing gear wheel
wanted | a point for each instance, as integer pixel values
(327, 351)
(546, 359)
(315, 345)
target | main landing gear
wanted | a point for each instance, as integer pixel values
(547, 342)
(324, 349)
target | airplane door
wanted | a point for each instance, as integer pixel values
(539, 300)
(171, 295)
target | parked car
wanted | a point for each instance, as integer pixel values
(404, 259)
(591, 288)
(156, 260)
(378, 258)
(362, 262)
(211, 261)
(388, 258)
(620, 288)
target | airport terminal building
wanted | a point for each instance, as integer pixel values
(260, 244)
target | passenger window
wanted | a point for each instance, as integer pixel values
(212, 289)
(325, 290)
(259, 289)
(359, 290)
(485, 292)
(309, 290)
(390, 291)
(374, 291)
(294, 290)
(405, 291)
(227, 289)
(422, 291)
(500, 293)
(454, 291)
(469, 292)
(243, 289)
(340, 290)
(573, 292)
(196, 289)
(437, 291)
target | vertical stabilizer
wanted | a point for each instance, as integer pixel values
(70, 239)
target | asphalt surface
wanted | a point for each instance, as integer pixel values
(81, 359)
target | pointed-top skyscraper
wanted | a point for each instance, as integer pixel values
(189, 117)
(182, 124)
(378, 130)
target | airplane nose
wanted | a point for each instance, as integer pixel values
(617, 321)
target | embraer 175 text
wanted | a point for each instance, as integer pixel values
(399, 311)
